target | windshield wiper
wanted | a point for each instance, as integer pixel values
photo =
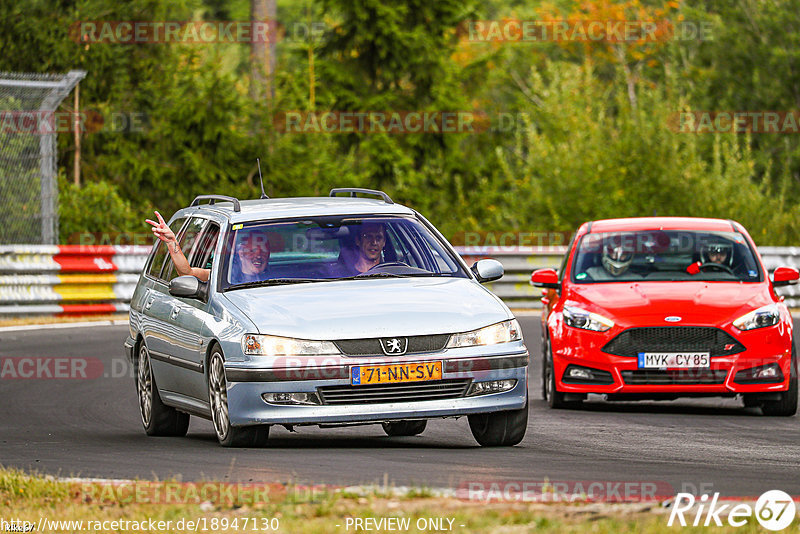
(275, 282)
(377, 275)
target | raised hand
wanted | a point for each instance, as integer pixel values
(161, 230)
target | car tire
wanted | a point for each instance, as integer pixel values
(554, 398)
(787, 405)
(158, 419)
(545, 353)
(404, 428)
(499, 429)
(228, 436)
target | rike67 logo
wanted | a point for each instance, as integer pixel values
(774, 510)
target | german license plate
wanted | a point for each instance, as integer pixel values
(674, 360)
(362, 375)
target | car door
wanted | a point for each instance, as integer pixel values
(153, 312)
(164, 341)
(188, 320)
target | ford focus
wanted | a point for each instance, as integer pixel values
(661, 308)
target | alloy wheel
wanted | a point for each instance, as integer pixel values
(218, 396)
(144, 386)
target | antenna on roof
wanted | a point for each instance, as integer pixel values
(261, 178)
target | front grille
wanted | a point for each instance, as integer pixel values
(652, 377)
(632, 341)
(408, 392)
(372, 346)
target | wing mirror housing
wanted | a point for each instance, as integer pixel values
(188, 286)
(785, 276)
(487, 270)
(547, 278)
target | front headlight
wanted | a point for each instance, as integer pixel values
(580, 318)
(768, 315)
(258, 345)
(504, 332)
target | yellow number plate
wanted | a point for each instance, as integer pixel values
(391, 374)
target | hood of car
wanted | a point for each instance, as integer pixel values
(694, 303)
(352, 309)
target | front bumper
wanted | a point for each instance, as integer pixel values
(247, 383)
(583, 349)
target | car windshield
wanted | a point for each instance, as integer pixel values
(318, 249)
(664, 255)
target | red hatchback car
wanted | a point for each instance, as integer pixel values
(667, 307)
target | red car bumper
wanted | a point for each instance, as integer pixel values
(727, 374)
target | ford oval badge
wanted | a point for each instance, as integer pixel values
(672, 319)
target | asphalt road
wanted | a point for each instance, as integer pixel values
(91, 428)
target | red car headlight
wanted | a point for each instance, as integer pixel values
(764, 316)
(580, 318)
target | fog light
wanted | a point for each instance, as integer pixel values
(493, 386)
(580, 372)
(575, 374)
(292, 398)
(764, 374)
(771, 371)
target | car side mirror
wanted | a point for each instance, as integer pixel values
(545, 278)
(487, 270)
(785, 276)
(187, 286)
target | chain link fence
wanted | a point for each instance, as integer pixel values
(28, 174)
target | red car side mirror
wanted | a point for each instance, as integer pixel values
(785, 276)
(545, 278)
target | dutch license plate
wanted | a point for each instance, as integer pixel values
(674, 360)
(362, 375)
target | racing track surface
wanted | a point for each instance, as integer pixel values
(91, 428)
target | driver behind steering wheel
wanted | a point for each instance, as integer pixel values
(370, 240)
(719, 253)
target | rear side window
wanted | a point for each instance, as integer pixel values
(160, 256)
(204, 252)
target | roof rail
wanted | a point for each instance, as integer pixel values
(212, 198)
(354, 190)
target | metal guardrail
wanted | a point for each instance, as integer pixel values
(515, 289)
(72, 279)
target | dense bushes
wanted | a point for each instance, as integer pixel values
(591, 136)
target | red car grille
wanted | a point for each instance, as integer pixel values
(632, 341)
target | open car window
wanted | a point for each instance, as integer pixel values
(664, 255)
(317, 249)
(160, 254)
(186, 240)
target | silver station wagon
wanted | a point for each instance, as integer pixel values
(327, 311)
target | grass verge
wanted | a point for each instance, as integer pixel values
(139, 506)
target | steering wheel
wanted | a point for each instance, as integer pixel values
(716, 267)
